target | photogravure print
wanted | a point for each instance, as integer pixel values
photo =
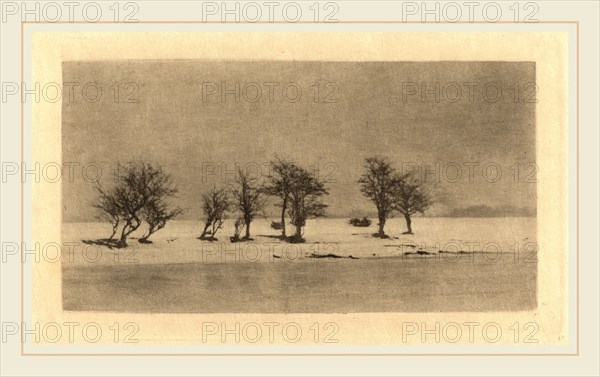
(302, 186)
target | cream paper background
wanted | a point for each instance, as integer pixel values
(548, 50)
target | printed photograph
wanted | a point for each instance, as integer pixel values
(222, 186)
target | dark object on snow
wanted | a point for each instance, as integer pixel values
(419, 252)
(382, 236)
(364, 222)
(313, 255)
(330, 255)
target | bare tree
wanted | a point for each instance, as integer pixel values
(305, 197)
(237, 230)
(137, 185)
(410, 197)
(378, 184)
(280, 182)
(215, 206)
(109, 209)
(157, 213)
(248, 196)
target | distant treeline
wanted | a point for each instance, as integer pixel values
(487, 211)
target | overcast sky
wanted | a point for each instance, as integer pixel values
(482, 118)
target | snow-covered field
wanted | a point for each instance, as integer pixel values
(179, 243)
(488, 265)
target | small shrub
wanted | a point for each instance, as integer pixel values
(364, 222)
(276, 225)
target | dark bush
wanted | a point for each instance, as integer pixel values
(364, 222)
(276, 225)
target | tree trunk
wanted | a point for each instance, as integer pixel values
(206, 225)
(218, 224)
(298, 235)
(283, 209)
(115, 227)
(123, 239)
(128, 228)
(213, 229)
(408, 224)
(144, 239)
(381, 233)
(247, 230)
